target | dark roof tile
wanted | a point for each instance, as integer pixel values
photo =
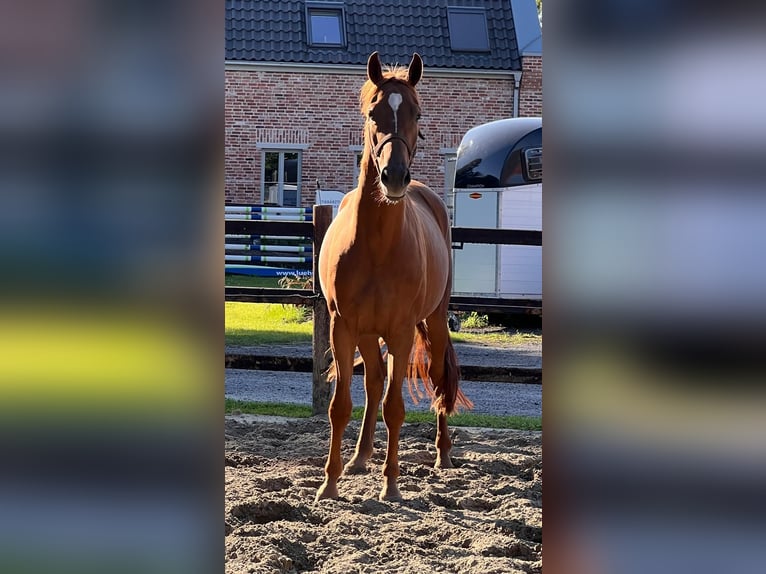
(275, 32)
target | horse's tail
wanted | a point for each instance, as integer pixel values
(447, 396)
(331, 374)
(450, 397)
(418, 367)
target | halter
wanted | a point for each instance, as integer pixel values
(388, 139)
(378, 149)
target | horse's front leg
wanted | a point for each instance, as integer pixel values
(343, 347)
(443, 443)
(374, 371)
(393, 413)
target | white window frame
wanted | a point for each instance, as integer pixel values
(281, 150)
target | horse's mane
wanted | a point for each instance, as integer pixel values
(396, 73)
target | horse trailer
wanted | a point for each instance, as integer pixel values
(498, 184)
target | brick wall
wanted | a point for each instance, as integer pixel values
(531, 88)
(313, 110)
(321, 112)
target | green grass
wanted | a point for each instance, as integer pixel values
(272, 409)
(499, 338)
(266, 323)
(251, 281)
(460, 420)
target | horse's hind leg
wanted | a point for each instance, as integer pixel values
(373, 386)
(343, 347)
(443, 372)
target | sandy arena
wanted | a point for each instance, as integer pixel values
(484, 516)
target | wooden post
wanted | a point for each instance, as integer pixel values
(321, 389)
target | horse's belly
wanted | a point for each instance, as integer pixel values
(376, 307)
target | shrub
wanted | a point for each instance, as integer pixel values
(475, 321)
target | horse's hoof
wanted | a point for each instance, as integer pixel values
(443, 462)
(327, 490)
(355, 467)
(390, 496)
(390, 492)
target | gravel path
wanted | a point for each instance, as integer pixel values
(488, 397)
(295, 388)
(524, 355)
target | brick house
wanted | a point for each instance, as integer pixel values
(294, 70)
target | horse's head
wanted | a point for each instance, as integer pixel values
(390, 104)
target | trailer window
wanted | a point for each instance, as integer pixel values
(533, 163)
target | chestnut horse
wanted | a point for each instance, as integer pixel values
(385, 270)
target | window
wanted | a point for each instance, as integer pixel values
(325, 24)
(468, 29)
(533, 163)
(358, 162)
(281, 178)
(525, 163)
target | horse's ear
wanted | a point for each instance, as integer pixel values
(374, 70)
(415, 71)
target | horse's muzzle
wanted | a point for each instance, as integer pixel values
(394, 180)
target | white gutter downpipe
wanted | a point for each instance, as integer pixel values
(516, 85)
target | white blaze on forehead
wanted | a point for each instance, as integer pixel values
(395, 100)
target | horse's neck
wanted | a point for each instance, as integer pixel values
(378, 221)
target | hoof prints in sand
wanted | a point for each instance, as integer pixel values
(482, 516)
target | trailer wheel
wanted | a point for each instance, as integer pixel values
(453, 322)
